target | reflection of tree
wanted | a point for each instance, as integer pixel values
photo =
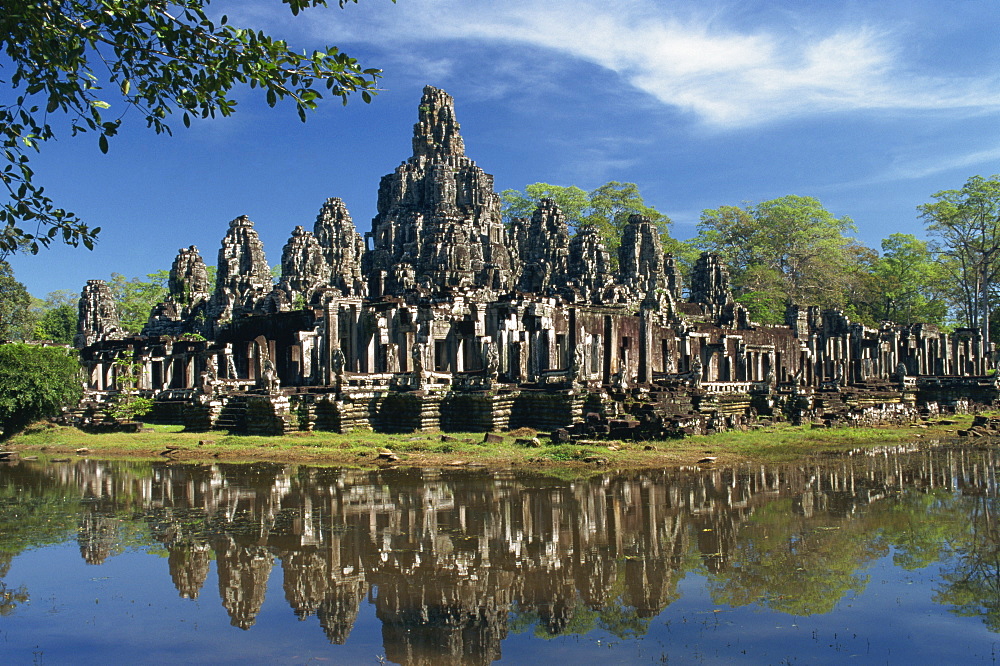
(972, 587)
(9, 598)
(795, 564)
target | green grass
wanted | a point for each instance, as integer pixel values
(777, 443)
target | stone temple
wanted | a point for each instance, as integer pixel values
(442, 316)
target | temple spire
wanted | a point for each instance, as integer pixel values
(436, 133)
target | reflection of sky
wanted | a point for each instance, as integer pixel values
(126, 610)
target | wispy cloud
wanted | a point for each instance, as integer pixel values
(921, 168)
(723, 73)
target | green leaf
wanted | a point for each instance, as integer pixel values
(102, 141)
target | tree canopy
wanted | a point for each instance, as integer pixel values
(965, 225)
(135, 298)
(15, 302)
(35, 382)
(79, 65)
(56, 317)
(786, 250)
(908, 283)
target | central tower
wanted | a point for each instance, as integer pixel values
(438, 226)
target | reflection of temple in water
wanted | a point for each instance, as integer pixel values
(449, 558)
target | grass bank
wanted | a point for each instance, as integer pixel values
(436, 449)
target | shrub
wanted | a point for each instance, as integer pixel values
(35, 382)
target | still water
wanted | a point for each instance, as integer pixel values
(891, 557)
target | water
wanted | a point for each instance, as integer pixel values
(891, 557)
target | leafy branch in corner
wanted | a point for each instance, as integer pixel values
(72, 61)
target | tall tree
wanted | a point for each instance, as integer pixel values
(57, 317)
(15, 302)
(786, 250)
(910, 282)
(81, 58)
(965, 224)
(135, 298)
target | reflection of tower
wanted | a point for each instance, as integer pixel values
(650, 584)
(339, 610)
(306, 579)
(552, 594)
(439, 619)
(595, 572)
(189, 564)
(98, 537)
(243, 574)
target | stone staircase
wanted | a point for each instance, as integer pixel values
(234, 414)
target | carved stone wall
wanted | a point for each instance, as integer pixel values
(185, 310)
(641, 264)
(710, 281)
(543, 249)
(589, 266)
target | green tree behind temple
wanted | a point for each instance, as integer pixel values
(606, 208)
(56, 317)
(135, 298)
(965, 225)
(786, 250)
(909, 284)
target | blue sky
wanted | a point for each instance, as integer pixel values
(870, 107)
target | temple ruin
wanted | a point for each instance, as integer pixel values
(443, 316)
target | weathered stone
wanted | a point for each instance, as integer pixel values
(304, 270)
(589, 266)
(98, 315)
(185, 310)
(543, 249)
(242, 278)
(560, 436)
(641, 263)
(342, 246)
(438, 221)
(710, 281)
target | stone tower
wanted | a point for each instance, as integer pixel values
(438, 225)
(589, 264)
(98, 315)
(543, 248)
(188, 292)
(243, 278)
(342, 246)
(188, 283)
(710, 281)
(641, 262)
(303, 268)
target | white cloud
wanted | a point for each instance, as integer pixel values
(726, 75)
